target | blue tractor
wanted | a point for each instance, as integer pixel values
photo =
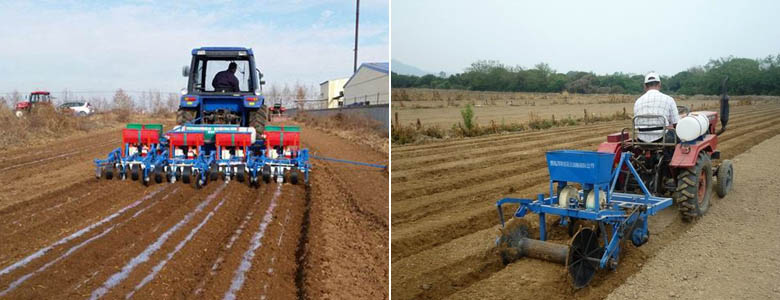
(207, 101)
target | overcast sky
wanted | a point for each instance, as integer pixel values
(598, 36)
(141, 45)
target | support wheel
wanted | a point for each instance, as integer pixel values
(725, 178)
(240, 174)
(694, 189)
(294, 176)
(584, 253)
(186, 174)
(158, 175)
(108, 173)
(266, 173)
(135, 171)
(213, 172)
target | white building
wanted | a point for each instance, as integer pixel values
(369, 85)
(331, 91)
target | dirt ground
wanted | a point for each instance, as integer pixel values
(444, 220)
(508, 107)
(65, 234)
(730, 254)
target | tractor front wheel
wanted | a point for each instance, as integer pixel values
(694, 189)
(725, 178)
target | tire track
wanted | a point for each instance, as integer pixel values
(49, 158)
(75, 235)
(240, 273)
(144, 256)
(156, 269)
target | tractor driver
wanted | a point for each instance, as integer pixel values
(226, 80)
(653, 102)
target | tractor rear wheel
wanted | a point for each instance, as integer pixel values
(694, 189)
(725, 178)
(258, 119)
(185, 115)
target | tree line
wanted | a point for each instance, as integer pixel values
(746, 77)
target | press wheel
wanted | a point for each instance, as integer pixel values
(583, 259)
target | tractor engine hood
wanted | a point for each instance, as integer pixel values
(22, 105)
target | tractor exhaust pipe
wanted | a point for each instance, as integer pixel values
(724, 106)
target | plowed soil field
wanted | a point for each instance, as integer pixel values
(65, 234)
(444, 220)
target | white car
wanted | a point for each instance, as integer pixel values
(81, 109)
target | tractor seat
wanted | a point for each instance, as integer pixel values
(652, 129)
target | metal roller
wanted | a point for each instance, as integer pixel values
(514, 244)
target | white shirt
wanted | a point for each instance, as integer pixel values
(653, 102)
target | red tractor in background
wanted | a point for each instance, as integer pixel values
(278, 113)
(35, 99)
(682, 169)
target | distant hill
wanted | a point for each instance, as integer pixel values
(402, 68)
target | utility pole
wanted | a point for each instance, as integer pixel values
(357, 18)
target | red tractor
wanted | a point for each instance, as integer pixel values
(278, 113)
(35, 99)
(682, 168)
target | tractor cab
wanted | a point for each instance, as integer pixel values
(204, 103)
(34, 99)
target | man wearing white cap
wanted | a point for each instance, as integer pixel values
(653, 102)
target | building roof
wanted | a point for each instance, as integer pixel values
(329, 80)
(382, 67)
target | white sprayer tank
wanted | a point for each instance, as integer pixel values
(692, 127)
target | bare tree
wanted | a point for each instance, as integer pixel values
(286, 95)
(123, 105)
(300, 95)
(272, 95)
(99, 103)
(172, 103)
(15, 97)
(66, 96)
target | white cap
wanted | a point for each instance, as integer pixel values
(652, 77)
